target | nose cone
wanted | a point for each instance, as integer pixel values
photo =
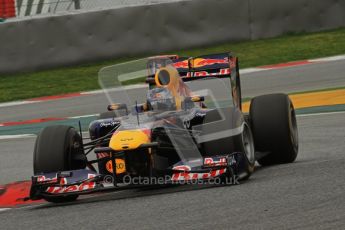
(128, 140)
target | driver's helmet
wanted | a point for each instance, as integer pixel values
(160, 99)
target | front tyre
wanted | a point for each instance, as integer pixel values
(274, 127)
(58, 148)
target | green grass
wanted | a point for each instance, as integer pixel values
(251, 53)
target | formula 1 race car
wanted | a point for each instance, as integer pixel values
(188, 128)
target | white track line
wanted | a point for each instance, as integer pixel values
(329, 59)
(90, 115)
(252, 70)
(19, 136)
(319, 114)
(4, 209)
(127, 87)
(24, 207)
(14, 103)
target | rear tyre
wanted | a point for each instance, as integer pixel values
(58, 148)
(274, 128)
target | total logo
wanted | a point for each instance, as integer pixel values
(120, 166)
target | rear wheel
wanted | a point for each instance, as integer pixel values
(58, 148)
(274, 128)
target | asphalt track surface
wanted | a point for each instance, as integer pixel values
(308, 194)
(286, 80)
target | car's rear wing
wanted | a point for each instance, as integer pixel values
(192, 68)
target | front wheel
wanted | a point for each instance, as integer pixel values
(274, 126)
(58, 148)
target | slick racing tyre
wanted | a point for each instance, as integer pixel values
(274, 127)
(58, 148)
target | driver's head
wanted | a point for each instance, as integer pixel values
(167, 77)
(160, 99)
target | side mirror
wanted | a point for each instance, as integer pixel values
(140, 108)
(188, 102)
(118, 106)
(197, 98)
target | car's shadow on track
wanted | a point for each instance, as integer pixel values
(134, 193)
(143, 192)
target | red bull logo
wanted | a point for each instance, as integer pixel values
(199, 62)
(72, 188)
(188, 176)
(181, 64)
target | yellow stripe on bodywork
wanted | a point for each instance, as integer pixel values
(305, 100)
(128, 140)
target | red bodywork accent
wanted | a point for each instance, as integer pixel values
(147, 132)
